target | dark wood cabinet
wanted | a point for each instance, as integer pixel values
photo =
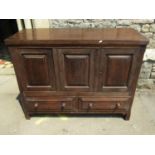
(77, 71)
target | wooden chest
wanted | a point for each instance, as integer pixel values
(77, 71)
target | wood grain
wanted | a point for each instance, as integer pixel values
(74, 36)
(77, 71)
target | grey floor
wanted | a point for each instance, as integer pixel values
(12, 120)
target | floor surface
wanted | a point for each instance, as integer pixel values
(12, 120)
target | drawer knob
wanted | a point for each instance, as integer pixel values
(36, 105)
(63, 105)
(90, 105)
(118, 105)
(100, 41)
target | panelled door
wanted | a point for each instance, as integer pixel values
(76, 68)
(37, 68)
(116, 72)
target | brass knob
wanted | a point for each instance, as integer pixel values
(36, 105)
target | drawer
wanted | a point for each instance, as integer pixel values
(100, 105)
(54, 105)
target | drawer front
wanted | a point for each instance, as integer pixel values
(100, 105)
(51, 105)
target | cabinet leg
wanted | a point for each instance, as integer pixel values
(127, 116)
(27, 116)
(20, 99)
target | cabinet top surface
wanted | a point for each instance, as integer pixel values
(74, 36)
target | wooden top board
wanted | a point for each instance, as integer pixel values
(72, 36)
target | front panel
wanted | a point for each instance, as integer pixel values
(76, 69)
(37, 68)
(116, 69)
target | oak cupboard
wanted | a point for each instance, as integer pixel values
(77, 71)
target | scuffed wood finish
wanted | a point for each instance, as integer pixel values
(77, 71)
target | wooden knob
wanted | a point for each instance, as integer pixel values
(63, 105)
(118, 105)
(100, 41)
(36, 105)
(90, 105)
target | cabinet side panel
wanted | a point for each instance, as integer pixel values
(17, 67)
